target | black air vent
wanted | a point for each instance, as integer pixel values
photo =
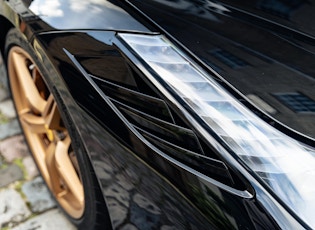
(150, 114)
(157, 124)
(155, 121)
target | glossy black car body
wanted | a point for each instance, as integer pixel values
(255, 50)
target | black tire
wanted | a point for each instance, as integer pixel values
(94, 215)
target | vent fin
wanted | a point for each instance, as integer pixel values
(205, 165)
(177, 135)
(145, 103)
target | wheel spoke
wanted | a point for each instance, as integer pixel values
(33, 123)
(66, 170)
(51, 114)
(26, 82)
(53, 181)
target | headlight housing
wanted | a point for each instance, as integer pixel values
(280, 163)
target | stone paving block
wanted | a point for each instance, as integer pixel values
(30, 167)
(7, 108)
(4, 94)
(2, 161)
(38, 196)
(10, 129)
(12, 207)
(50, 220)
(13, 148)
(10, 174)
(3, 80)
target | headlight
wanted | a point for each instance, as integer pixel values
(283, 164)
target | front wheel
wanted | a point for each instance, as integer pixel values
(62, 164)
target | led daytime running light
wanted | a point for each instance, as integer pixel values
(284, 164)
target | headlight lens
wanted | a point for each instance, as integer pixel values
(285, 165)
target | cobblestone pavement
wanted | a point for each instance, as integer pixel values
(25, 202)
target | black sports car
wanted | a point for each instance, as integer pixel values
(168, 114)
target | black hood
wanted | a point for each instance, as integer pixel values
(264, 49)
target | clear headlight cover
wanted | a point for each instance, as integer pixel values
(284, 164)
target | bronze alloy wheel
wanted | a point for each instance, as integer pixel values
(45, 132)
